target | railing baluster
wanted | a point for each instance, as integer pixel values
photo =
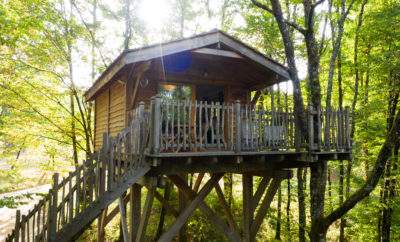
(200, 120)
(238, 127)
(184, 124)
(178, 106)
(348, 140)
(38, 224)
(23, 224)
(52, 214)
(195, 128)
(207, 124)
(190, 135)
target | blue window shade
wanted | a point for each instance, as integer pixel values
(178, 62)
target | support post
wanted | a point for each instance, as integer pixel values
(101, 225)
(146, 213)
(135, 207)
(182, 205)
(124, 224)
(238, 127)
(102, 185)
(167, 192)
(207, 211)
(184, 216)
(247, 182)
(156, 123)
(264, 206)
(52, 217)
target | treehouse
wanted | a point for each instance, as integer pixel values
(197, 97)
(189, 106)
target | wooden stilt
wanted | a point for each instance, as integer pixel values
(182, 204)
(198, 182)
(183, 217)
(124, 224)
(247, 181)
(260, 191)
(114, 212)
(135, 207)
(207, 211)
(164, 202)
(265, 204)
(226, 207)
(146, 214)
(101, 225)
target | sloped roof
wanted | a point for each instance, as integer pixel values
(186, 44)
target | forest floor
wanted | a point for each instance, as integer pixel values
(23, 200)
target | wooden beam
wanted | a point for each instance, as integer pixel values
(182, 205)
(101, 225)
(166, 204)
(226, 208)
(260, 191)
(114, 212)
(207, 211)
(247, 182)
(197, 183)
(146, 214)
(124, 224)
(262, 211)
(141, 69)
(185, 214)
(165, 198)
(253, 55)
(217, 52)
(135, 207)
(172, 47)
(107, 75)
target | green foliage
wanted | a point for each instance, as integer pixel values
(35, 89)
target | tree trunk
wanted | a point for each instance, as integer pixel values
(317, 192)
(389, 181)
(341, 164)
(160, 228)
(279, 217)
(128, 24)
(330, 190)
(182, 237)
(288, 229)
(228, 188)
(302, 205)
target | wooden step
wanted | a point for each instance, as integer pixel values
(73, 230)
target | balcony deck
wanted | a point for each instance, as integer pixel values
(196, 137)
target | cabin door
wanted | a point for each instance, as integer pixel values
(210, 93)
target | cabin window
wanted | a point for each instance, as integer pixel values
(172, 91)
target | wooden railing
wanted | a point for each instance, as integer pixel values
(330, 130)
(175, 126)
(119, 158)
(185, 126)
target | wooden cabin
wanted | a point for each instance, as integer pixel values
(184, 107)
(212, 67)
(200, 80)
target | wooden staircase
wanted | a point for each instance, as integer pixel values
(73, 203)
